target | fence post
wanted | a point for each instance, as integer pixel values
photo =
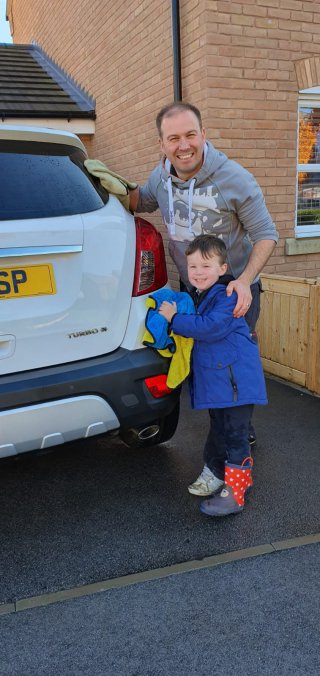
(313, 360)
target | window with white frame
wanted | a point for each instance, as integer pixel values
(308, 175)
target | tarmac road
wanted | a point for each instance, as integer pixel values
(95, 512)
(255, 617)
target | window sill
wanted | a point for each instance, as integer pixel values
(296, 247)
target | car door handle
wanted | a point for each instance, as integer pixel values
(7, 345)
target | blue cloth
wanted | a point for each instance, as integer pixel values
(226, 366)
(158, 325)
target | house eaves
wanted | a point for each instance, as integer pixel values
(35, 91)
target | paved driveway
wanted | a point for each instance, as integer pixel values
(97, 510)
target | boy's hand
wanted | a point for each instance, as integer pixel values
(168, 310)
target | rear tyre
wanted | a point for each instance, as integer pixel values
(167, 428)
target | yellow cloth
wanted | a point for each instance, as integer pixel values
(113, 183)
(179, 367)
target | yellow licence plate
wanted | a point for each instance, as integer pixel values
(30, 280)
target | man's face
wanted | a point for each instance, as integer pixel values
(182, 142)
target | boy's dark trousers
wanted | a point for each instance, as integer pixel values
(227, 438)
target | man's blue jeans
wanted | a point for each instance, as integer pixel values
(252, 315)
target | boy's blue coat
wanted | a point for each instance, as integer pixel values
(226, 366)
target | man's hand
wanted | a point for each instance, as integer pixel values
(112, 182)
(244, 297)
(168, 310)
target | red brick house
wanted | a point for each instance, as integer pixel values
(252, 67)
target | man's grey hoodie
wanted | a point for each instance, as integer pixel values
(222, 199)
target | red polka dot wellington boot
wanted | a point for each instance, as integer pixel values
(237, 480)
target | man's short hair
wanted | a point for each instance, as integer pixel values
(176, 107)
(208, 245)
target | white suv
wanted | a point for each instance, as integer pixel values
(75, 270)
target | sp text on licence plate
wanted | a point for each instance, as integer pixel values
(27, 280)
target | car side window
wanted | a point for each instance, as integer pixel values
(42, 180)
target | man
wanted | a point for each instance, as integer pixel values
(199, 190)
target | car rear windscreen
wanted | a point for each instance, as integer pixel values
(41, 180)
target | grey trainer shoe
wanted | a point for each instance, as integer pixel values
(206, 483)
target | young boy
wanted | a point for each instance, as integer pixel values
(226, 376)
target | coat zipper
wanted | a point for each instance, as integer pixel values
(234, 385)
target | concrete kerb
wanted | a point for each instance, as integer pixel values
(157, 573)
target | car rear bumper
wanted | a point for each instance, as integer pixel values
(50, 406)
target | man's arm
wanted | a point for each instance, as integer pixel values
(252, 212)
(260, 254)
(134, 199)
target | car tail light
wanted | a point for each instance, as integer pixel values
(157, 386)
(150, 268)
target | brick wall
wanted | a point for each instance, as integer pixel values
(252, 100)
(238, 66)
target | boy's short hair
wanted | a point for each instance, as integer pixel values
(208, 245)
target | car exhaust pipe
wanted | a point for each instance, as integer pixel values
(137, 437)
(147, 432)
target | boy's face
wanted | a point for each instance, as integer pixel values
(204, 272)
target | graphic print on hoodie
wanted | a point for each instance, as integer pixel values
(204, 208)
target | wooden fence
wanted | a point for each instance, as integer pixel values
(289, 329)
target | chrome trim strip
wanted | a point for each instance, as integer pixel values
(40, 250)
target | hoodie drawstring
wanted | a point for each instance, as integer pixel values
(172, 224)
(190, 199)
